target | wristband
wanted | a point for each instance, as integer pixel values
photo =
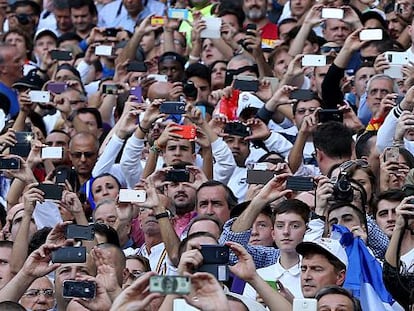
(155, 148)
(264, 114)
(194, 58)
(145, 131)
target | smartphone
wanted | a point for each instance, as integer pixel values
(178, 13)
(177, 175)
(131, 195)
(79, 289)
(52, 153)
(24, 137)
(392, 154)
(172, 107)
(69, 254)
(313, 60)
(213, 26)
(302, 94)
(397, 58)
(137, 92)
(23, 146)
(39, 96)
(170, 284)
(237, 128)
(79, 232)
(250, 27)
(137, 67)
(111, 89)
(103, 50)
(394, 71)
(332, 13)
(246, 85)
(326, 115)
(298, 183)
(215, 261)
(61, 176)
(187, 131)
(10, 164)
(398, 8)
(57, 87)
(305, 304)
(370, 34)
(51, 191)
(61, 55)
(111, 32)
(259, 176)
(158, 78)
(157, 21)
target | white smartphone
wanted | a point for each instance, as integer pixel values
(159, 78)
(305, 304)
(397, 58)
(39, 96)
(212, 30)
(370, 34)
(52, 153)
(394, 71)
(332, 13)
(313, 60)
(103, 50)
(130, 195)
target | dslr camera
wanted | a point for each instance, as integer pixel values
(342, 189)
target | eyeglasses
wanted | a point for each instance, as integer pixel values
(368, 59)
(87, 154)
(327, 49)
(47, 292)
(383, 92)
(303, 110)
(358, 162)
(135, 274)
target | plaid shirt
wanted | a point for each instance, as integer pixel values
(377, 240)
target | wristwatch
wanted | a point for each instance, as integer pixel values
(165, 214)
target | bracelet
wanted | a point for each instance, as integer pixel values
(155, 148)
(194, 58)
(145, 131)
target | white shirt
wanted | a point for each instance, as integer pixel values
(408, 260)
(157, 257)
(290, 278)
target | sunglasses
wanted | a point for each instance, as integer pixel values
(327, 49)
(87, 154)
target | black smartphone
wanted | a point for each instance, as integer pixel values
(237, 128)
(79, 289)
(250, 27)
(10, 164)
(61, 176)
(110, 89)
(326, 115)
(22, 150)
(172, 107)
(298, 183)
(215, 254)
(51, 191)
(61, 55)
(79, 232)
(259, 176)
(246, 85)
(111, 32)
(69, 254)
(302, 94)
(24, 137)
(137, 67)
(178, 175)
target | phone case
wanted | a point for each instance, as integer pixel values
(172, 107)
(79, 232)
(326, 115)
(215, 254)
(10, 164)
(69, 254)
(61, 55)
(178, 175)
(79, 289)
(297, 183)
(51, 191)
(187, 132)
(246, 86)
(259, 176)
(302, 94)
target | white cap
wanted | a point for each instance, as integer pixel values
(248, 100)
(325, 246)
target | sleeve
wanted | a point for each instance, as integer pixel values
(393, 283)
(224, 163)
(387, 130)
(332, 95)
(262, 256)
(108, 157)
(316, 228)
(278, 143)
(83, 69)
(131, 160)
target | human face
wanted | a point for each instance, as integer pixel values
(262, 231)
(231, 20)
(5, 273)
(148, 41)
(135, 268)
(318, 272)
(345, 216)
(173, 70)
(83, 154)
(205, 226)
(104, 187)
(336, 31)
(335, 302)
(255, 10)
(43, 45)
(395, 27)
(19, 42)
(303, 109)
(149, 224)
(281, 64)
(86, 122)
(63, 20)
(178, 151)
(39, 296)
(133, 7)
(361, 79)
(213, 201)
(12, 68)
(81, 18)
(363, 178)
(299, 7)
(284, 30)
(203, 88)
(33, 19)
(218, 76)
(210, 53)
(289, 230)
(106, 214)
(239, 148)
(182, 195)
(319, 75)
(379, 88)
(385, 216)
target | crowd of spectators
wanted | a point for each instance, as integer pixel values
(258, 153)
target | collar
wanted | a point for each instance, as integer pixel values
(280, 271)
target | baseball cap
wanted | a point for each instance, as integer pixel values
(329, 247)
(249, 303)
(32, 81)
(45, 32)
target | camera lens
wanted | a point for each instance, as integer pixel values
(23, 19)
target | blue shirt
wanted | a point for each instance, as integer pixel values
(11, 94)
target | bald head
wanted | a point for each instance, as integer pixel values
(159, 90)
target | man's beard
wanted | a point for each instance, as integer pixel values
(183, 208)
(255, 14)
